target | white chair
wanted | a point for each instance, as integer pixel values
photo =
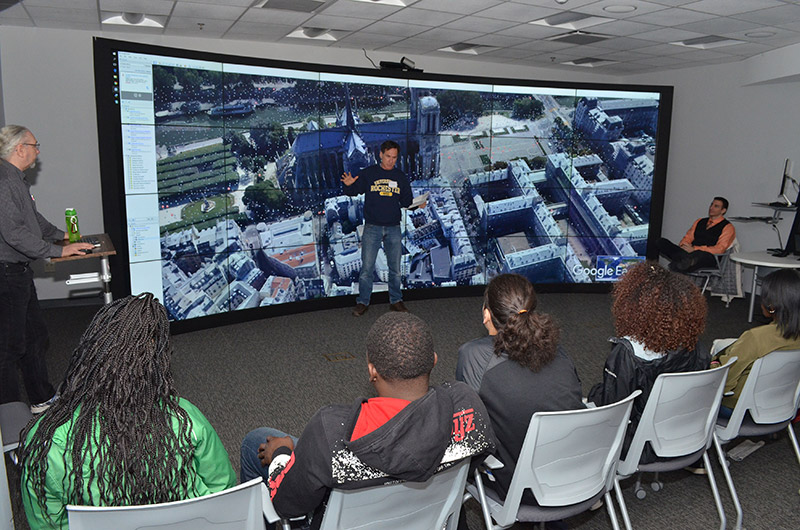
(243, 507)
(14, 417)
(707, 273)
(568, 461)
(678, 424)
(434, 504)
(768, 402)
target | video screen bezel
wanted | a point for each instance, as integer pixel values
(113, 193)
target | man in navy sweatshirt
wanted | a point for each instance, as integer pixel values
(386, 189)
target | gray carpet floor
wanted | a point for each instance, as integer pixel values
(278, 371)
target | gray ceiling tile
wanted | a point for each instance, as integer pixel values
(623, 28)
(14, 12)
(672, 35)
(464, 7)
(346, 8)
(41, 14)
(719, 26)
(772, 16)
(275, 16)
(194, 10)
(732, 7)
(395, 28)
(410, 15)
(148, 7)
(473, 23)
(210, 25)
(449, 35)
(642, 8)
(61, 4)
(516, 12)
(275, 31)
(367, 40)
(333, 22)
(672, 17)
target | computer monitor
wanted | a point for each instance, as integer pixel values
(793, 240)
(787, 175)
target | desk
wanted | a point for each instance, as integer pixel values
(762, 259)
(105, 250)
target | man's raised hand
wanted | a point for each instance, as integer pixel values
(348, 179)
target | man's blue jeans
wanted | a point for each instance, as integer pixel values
(250, 464)
(371, 241)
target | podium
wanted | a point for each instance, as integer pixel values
(102, 253)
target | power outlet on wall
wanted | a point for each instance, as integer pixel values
(49, 266)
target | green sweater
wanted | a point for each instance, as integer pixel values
(749, 347)
(214, 470)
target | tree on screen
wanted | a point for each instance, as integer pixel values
(263, 199)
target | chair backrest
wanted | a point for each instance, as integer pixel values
(568, 456)
(407, 505)
(6, 512)
(13, 418)
(237, 508)
(771, 393)
(679, 416)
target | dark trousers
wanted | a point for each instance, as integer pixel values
(682, 261)
(24, 340)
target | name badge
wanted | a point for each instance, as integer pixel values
(392, 183)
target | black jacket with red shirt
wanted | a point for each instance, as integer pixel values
(446, 425)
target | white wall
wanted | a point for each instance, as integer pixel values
(731, 140)
(726, 139)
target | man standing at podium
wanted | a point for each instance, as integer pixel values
(706, 237)
(25, 235)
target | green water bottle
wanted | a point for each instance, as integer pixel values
(72, 225)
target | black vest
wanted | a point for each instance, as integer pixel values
(707, 237)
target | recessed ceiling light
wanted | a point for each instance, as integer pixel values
(467, 48)
(134, 19)
(619, 9)
(707, 42)
(312, 33)
(570, 20)
(760, 34)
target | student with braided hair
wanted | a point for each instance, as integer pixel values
(119, 434)
(518, 370)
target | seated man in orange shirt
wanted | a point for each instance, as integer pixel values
(707, 236)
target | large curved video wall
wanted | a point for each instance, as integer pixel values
(223, 176)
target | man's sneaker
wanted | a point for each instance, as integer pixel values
(41, 407)
(359, 310)
(399, 306)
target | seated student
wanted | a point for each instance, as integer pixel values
(409, 432)
(119, 434)
(780, 302)
(658, 317)
(518, 369)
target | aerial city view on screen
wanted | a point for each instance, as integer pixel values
(552, 184)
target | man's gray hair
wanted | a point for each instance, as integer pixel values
(10, 137)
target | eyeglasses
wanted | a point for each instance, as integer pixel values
(37, 145)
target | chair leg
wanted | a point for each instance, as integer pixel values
(793, 438)
(705, 284)
(715, 491)
(611, 512)
(623, 508)
(729, 480)
(487, 517)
